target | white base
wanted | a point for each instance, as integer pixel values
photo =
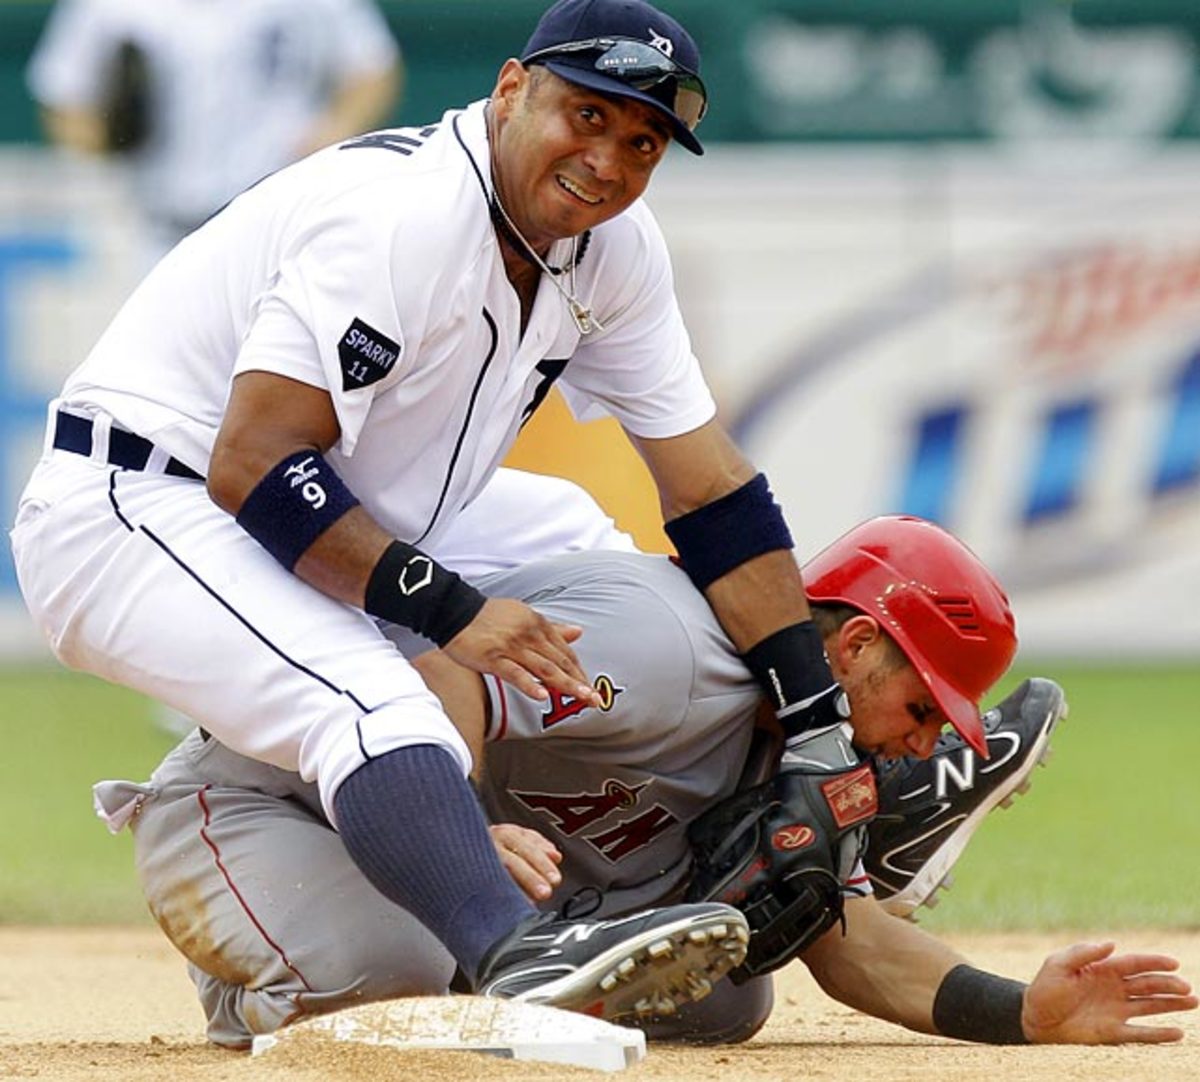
(499, 1027)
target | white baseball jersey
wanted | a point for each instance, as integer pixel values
(236, 84)
(372, 270)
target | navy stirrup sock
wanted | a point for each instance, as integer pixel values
(412, 823)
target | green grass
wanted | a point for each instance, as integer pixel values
(62, 732)
(1109, 836)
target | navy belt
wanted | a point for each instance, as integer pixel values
(72, 433)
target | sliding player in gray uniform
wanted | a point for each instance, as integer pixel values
(245, 876)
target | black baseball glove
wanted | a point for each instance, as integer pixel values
(126, 103)
(781, 851)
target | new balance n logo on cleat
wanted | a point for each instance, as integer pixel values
(629, 968)
(928, 809)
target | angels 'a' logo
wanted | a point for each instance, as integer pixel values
(664, 45)
(571, 812)
(562, 706)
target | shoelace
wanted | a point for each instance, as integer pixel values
(582, 904)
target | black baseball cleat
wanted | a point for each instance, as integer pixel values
(928, 809)
(629, 968)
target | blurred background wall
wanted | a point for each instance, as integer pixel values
(942, 257)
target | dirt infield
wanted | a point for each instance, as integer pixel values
(116, 1004)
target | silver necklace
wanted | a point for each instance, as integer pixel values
(584, 320)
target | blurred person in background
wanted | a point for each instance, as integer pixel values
(202, 98)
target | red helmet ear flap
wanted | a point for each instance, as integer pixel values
(933, 595)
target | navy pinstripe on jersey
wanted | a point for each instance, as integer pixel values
(462, 432)
(401, 141)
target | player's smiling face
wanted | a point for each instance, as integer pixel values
(892, 712)
(566, 158)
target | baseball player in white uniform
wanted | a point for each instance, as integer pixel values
(241, 870)
(234, 89)
(258, 460)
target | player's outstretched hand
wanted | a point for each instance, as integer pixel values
(529, 858)
(1087, 995)
(524, 649)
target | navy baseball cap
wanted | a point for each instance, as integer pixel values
(626, 48)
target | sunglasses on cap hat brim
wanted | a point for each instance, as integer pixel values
(639, 67)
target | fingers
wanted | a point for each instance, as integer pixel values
(524, 649)
(534, 686)
(560, 669)
(1076, 957)
(563, 658)
(512, 673)
(1156, 984)
(1148, 1035)
(1132, 965)
(529, 858)
(1086, 994)
(1161, 1004)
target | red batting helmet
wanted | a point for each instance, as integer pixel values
(931, 593)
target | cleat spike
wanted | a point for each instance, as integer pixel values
(632, 967)
(663, 948)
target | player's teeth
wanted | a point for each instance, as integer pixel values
(575, 190)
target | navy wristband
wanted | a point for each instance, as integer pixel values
(295, 502)
(976, 1006)
(724, 534)
(791, 667)
(411, 589)
(714, 539)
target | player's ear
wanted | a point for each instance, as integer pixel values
(855, 636)
(510, 87)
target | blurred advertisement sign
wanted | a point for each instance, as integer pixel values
(920, 71)
(832, 70)
(1009, 348)
(1009, 344)
(69, 253)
